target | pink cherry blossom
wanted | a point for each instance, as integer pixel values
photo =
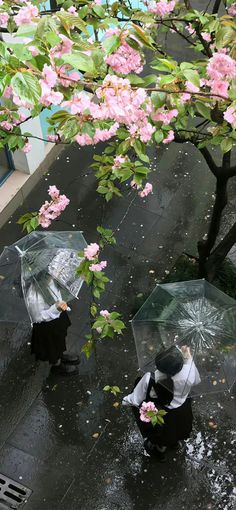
(144, 409)
(190, 29)
(118, 161)
(105, 313)
(4, 17)
(72, 10)
(221, 66)
(230, 116)
(125, 60)
(26, 14)
(219, 87)
(7, 91)
(53, 192)
(78, 103)
(206, 36)
(6, 125)
(33, 50)
(232, 10)
(190, 87)
(98, 2)
(27, 148)
(91, 251)
(51, 210)
(98, 267)
(64, 47)
(49, 75)
(170, 137)
(165, 116)
(161, 7)
(49, 96)
(53, 138)
(147, 189)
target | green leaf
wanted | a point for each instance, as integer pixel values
(27, 30)
(68, 20)
(158, 135)
(110, 44)
(106, 388)
(21, 51)
(192, 76)
(162, 64)
(203, 110)
(52, 38)
(81, 62)
(226, 145)
(99, 11)
(88, 348)
(168, 78)
(26, 86)
(139, 148)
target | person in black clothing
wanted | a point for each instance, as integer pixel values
(178, 373)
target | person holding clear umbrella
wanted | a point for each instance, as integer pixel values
(176, 368)
(50, 325)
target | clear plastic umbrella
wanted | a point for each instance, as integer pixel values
(40, 264)
(192, 313)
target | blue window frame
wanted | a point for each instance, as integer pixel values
(6, 164)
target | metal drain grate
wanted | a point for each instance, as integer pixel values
(12, 494)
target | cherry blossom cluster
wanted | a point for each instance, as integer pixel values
(220, 69)
(126, 59)
(161, 7)
(51, 210)
(91, 253)
(232, 10)
(145, 408)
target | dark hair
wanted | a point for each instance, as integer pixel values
(170, 361)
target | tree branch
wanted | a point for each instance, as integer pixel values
(210, 161)
(216, 6)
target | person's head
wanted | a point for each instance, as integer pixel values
(170, 361)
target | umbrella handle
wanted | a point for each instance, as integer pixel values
(68, 309)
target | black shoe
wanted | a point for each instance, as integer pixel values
(153, 452)
(64, 369)
(70, 358)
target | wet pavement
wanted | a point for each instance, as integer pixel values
(66, 439)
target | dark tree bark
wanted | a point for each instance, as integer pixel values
(216, 6)
(221, 251)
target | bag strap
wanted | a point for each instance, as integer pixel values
(151, 383)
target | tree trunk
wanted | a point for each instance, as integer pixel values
(205, 247)
(220, 252)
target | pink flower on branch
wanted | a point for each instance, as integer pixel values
(91, 251)
(232, 10)
(51, 210)
(99, 266)
(4, 17)
(170, 137)
(105, 313)
(165, 116)
(146, 190)
(221, 66)
(26, 14)
(230, 116)
(27, 148)
(144, 409)
(125, 60)
(161, 7)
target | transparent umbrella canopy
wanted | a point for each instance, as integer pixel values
(192, 313)
(41, 263)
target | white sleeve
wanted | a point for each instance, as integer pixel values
(139, 393)
(49, 314)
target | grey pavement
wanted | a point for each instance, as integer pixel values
(63, 438)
